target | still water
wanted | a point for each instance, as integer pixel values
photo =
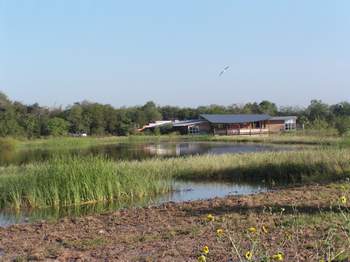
(139, 151)
(182, 191)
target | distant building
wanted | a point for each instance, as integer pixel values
(236, 124)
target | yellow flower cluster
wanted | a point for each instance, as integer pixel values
(278, 257)
(210, 217)
(343, 200)
(205, 250)
(202, 257)
(248, 255)
(252, 230)
(219, 232)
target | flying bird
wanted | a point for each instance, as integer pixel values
(224, 70)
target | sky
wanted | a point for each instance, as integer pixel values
(125, 53)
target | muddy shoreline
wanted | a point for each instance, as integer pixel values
(178, 231)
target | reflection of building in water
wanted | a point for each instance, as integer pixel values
(175, 149)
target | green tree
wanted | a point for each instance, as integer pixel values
(8, 124)
(151, 112)
(268, 107)
(57, 127)
(251, 108)
(317, 110)
(75, 118)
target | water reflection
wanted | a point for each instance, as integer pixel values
(138, 151)
(188, 191)
(182, 191)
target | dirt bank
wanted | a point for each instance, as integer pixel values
(303, 223)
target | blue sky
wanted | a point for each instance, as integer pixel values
(128, 52)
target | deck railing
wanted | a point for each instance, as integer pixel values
(243, 131)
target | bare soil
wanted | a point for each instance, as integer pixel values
(302, 223)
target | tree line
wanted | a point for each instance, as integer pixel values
(32, 121)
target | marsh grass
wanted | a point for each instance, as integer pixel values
(71, 180)
(66, 181)
(288, 138)
(283, 167)
(7, 144)
(81, 142)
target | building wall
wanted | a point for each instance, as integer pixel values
(275, 125)
(204, 127)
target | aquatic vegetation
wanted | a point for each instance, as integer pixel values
(70, 180)
(66, 181)
(79, 142)
(7, 144)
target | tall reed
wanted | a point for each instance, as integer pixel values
(70, 180)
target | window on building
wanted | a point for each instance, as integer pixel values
(193, 130)
(289, 126)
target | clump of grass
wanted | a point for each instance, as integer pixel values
(7, 144)
(296, 166)
(65, 181)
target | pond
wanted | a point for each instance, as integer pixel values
(182, 191)
(139, 151)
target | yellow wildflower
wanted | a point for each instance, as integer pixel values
(248, 255)
(278, 257)
(265, 229)
(252, 230)
(210, 217)
(205, 250)
(219, 232)
(343, 199)
(202, 258)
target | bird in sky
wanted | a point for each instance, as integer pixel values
(224, 70)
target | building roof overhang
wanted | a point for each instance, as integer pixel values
(234, 118)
